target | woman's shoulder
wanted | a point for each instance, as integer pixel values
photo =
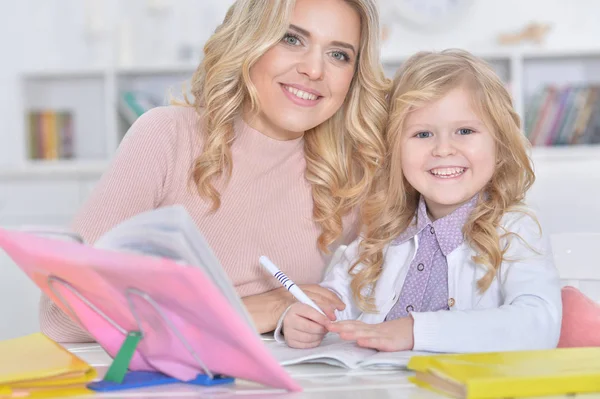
(170, 124)
(173, 117)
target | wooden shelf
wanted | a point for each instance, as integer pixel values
(566, 153)
(66, 74)
(157, 69)
(54, 169)
(516, 54)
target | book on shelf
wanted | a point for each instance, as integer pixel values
(133, 103)
(567, 115)
(50, 134)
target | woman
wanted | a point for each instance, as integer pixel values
(272, 157)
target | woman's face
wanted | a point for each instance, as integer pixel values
(304, 79)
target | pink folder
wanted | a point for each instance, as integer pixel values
(184, 295)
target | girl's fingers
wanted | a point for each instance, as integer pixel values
(323, 294)
(345, 326)
(309, 313)
(309, 326)
(328, 309)
(380, 343)
(305, 338)
(302, 345)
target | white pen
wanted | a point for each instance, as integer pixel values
(287, 283)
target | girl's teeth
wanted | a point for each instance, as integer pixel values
(301, 94)
(447, 172)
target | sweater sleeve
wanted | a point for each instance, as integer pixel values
(136, 181)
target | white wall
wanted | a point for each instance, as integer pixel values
(566, 193)
(574, 25)
(37, 34)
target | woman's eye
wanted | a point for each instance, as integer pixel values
(291, 40)
(423, 135)
(340, 56)
(464, 132)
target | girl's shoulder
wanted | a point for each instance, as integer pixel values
(521, 232)
(520, 219)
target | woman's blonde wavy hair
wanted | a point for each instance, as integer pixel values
(392, 204)
(342, 154)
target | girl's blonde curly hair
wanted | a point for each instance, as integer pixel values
(392, 204)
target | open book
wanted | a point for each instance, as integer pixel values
(153, 273)
(170, 232)
(336, 352)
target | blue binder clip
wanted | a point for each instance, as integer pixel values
(118, 377)
(141, 379)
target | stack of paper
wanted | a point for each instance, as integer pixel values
(34, 366)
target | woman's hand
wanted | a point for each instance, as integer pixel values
(389, 336)
(304, 327)
(267, 308)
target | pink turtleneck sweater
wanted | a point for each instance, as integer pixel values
(266, 208)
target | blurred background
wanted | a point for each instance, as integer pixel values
(76, 73)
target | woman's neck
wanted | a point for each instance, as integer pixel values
(263, 125)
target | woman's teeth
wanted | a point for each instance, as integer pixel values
(447, 173)
(301, 94)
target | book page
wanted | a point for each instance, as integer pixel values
(170, 232)
(333, 350)
(390, 360)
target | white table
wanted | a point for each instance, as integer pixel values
(317, 380)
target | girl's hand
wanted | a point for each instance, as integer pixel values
(304, 327)
(389, 336)
(266, 308)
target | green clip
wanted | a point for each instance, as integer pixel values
(120, 365)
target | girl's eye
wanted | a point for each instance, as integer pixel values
(340, 56)
(464, 132)
(423, 135)
(291, 39)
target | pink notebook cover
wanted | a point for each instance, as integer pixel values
(222, 340)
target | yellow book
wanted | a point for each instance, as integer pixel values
(510, 374)
(34, 366)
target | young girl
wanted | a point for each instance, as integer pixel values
(450, 259)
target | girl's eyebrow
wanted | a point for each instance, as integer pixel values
(338, 43)
(472, 122)
(420, 126)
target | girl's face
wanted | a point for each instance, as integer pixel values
(303, 80)
(448, 153)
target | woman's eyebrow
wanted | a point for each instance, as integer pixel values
(338, 43)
